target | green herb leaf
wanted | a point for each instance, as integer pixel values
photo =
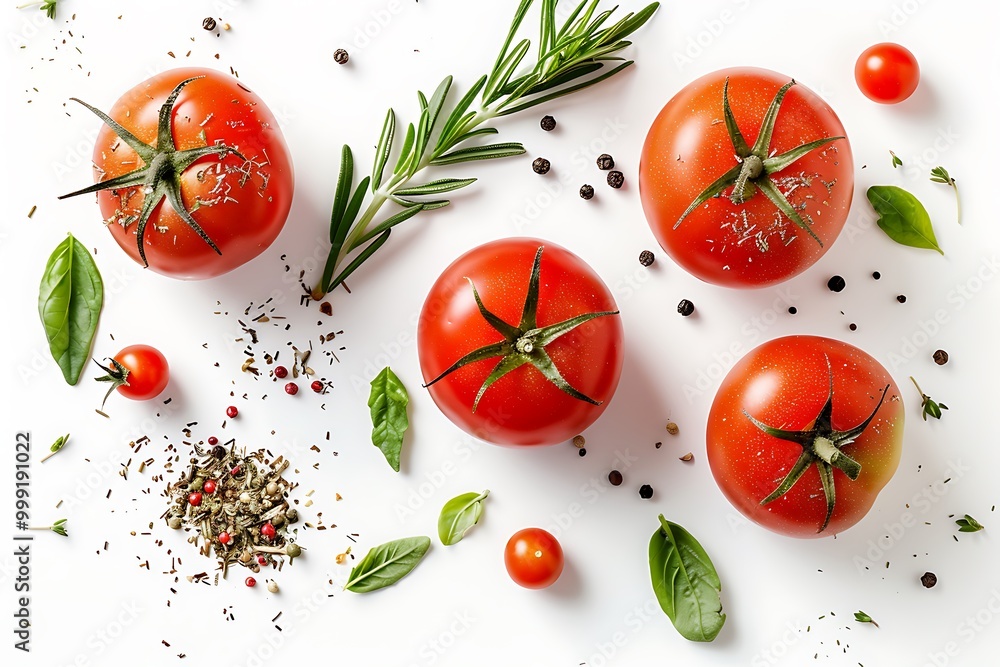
(929, 407)
(862, 617)
(903, 217)
(459, 515)
(896, 162)
(969, 525)
(941, 175)
(70, 298)
(386, 564)
(685, 582)
(388, 401)
(47, 6)
(56, 447)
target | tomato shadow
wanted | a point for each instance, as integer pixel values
(923, 103)
(569, 585)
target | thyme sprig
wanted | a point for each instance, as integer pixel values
(570, 57)
(47, 6)
(59, 528)
(941, 175)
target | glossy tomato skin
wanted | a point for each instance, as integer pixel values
(887, 73)
(522, 408)
(687, 148)
(245, 205)
(785, 383)
(534, 558)
(148, 372)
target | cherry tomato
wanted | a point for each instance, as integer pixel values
(804, 433)
(887, 73)
(734, 213)
(237, 191)
(534, 558)
(549, 388)
(139, 372)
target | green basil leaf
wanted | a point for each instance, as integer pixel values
(388, 401)
(903, 217)
(70, 299)
(685, 582)
(386, 564)
(459, 515)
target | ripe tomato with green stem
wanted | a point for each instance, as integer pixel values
(520, 343)
(139, 372)
(804, 433)
(746, 177)
(193, 175)
(534, 558)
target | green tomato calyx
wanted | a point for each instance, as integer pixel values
(117, 375)
(524, 343)
(756, 165)
(160, 175)
(821, 445)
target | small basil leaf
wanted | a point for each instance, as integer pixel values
(903, 217)
(459, 515)
(685, 582)
(386, 564)
(70, 299)
(388, 402)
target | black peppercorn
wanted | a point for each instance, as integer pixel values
(836, 284)
(583, 451)
(853, 327)
(615, 478)
(940, 357)
(792, 310)
(541, 165)
(928, 579)
(646, 258)
(901, 298)
(587, 191)
(208, 24)
(548, 123)
(605, 162)
(616, 179)
(219, 452)
(876, 275)
(340, 57)
(685, 307)
(646, 491)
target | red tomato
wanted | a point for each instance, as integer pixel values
(238, 192)
(524, 406)
(775, 411)
(744, 240)
(887, 73)
(139, 372)
(534, 558)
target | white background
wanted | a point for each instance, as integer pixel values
(97, 607)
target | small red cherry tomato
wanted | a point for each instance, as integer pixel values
(534, 558)
(887, 73)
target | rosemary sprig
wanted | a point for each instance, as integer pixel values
(570, 57)
(47, 6)
(59, 528)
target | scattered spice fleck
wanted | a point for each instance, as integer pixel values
(792, 310)
(876, 275)
(928, 579)
(853, 326)
(579, 441)
(672, 428)
(685, 308)
(687, 457)
(940, 357)
(901, 298)
(587, 191)
(583, 451)
(605, 162)
(616, 179)
(232, 411)
(209, 24)
(340, 56)
(548, 123)
(291, 388)
(645, 492)
(646, 258)
(326, 308)
(836, 284)
(541, 165)
(32, 211)
(615, 477)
